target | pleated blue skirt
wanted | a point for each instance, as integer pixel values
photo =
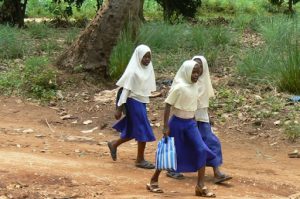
(135, 124)
(213, 143)
(191, 151)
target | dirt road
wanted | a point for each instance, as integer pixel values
(43, 156)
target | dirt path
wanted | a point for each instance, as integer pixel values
(56, 160)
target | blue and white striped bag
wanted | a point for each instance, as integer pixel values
(166, 154)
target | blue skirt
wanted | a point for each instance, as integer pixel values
(213, 143)
(135, 124)
(191, 151)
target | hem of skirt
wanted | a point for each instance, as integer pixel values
(189, 170)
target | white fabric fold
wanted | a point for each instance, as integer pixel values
(138, 78)
(184, 93)
(206, 90)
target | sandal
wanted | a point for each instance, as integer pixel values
(222, 178)
(145, 165)
(204, 192)
(113, 151)
(153, 187)
(175, 175)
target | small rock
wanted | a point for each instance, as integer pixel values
(274, 143)
(77, 151)
(28, 131)
(157, 124)
(102, 143)
(40, 136)
(257, 97)
(59, 94)
(68, 117)
(87, 122)
(277, 122)
(89, 131)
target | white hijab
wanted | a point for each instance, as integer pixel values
(206, 90)
(183, 93)
(137, 78)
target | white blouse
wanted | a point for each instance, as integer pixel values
(201, 115)
(129, 94)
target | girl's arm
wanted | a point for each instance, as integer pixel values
(166, 130)
(121, 102)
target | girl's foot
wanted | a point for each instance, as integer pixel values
(204, 192)
(145, 164)
(113, 151)
(153, 187)
(221, 178)
(175, 175)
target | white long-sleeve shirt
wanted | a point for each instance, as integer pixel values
(127, 93)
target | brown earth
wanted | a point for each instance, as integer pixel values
(44, 156)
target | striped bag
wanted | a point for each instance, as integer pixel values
(166, 154)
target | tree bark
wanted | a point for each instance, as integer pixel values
(91, 51)
(13, 12)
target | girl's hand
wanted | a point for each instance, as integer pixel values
(118, 114)
(166, 131)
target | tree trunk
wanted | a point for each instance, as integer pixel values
(141, 10)
(91, 51)
(13, 12)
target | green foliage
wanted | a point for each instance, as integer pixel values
(121, 54)
(186, 8)
(11, 43)
(36, 79)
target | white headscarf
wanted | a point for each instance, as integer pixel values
(184, 93)
(206, 90)
(137, 78)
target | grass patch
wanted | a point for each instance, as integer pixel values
(39, 30)
(293, 132)
(35, 79)
(12, 43)
(278, 61)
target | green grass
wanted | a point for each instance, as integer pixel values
(12, 43)
(39, 30)
(277, 61)
(121, 54)
(292, 132)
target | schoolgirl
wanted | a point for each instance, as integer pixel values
(137, 83)
(211, 140)
(192, 152)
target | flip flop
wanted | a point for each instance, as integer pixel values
(113, 152)
(222, 178)
(177, 176)
(145, 165)
(153, 187)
